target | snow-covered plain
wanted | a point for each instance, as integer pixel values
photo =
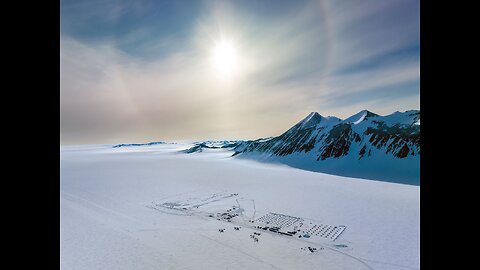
(107, 220)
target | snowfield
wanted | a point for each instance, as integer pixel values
(152, 207)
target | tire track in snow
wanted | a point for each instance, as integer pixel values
(90, 204)
(336, 250)
(393, 264)
(240, 251)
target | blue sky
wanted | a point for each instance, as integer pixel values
(142, 70)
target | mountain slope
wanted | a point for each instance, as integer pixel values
(199, 146)
(365, 145)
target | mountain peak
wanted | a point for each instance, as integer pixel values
(313, 115)
(312, 119)
(360, 116)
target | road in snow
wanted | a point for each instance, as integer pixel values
(106, 224)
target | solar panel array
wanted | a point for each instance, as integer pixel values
(326, 231)
(278, 220)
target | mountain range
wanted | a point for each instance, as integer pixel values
(364, 145)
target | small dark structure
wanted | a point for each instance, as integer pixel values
(274, 229)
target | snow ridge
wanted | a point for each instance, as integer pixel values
(137, 144)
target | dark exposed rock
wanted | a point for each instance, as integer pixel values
(337, 142)
(362, 151)
(403, 152)
(395, 138)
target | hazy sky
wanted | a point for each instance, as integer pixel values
(137, 71)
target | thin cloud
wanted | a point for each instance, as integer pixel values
(143, 85)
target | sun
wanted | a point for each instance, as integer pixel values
(224, 59)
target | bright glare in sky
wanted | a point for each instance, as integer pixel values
(224, 59)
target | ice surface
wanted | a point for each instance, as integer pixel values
(106, 221)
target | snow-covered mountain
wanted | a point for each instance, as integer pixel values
(198, 146)
(137, 144)
(364, 145)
